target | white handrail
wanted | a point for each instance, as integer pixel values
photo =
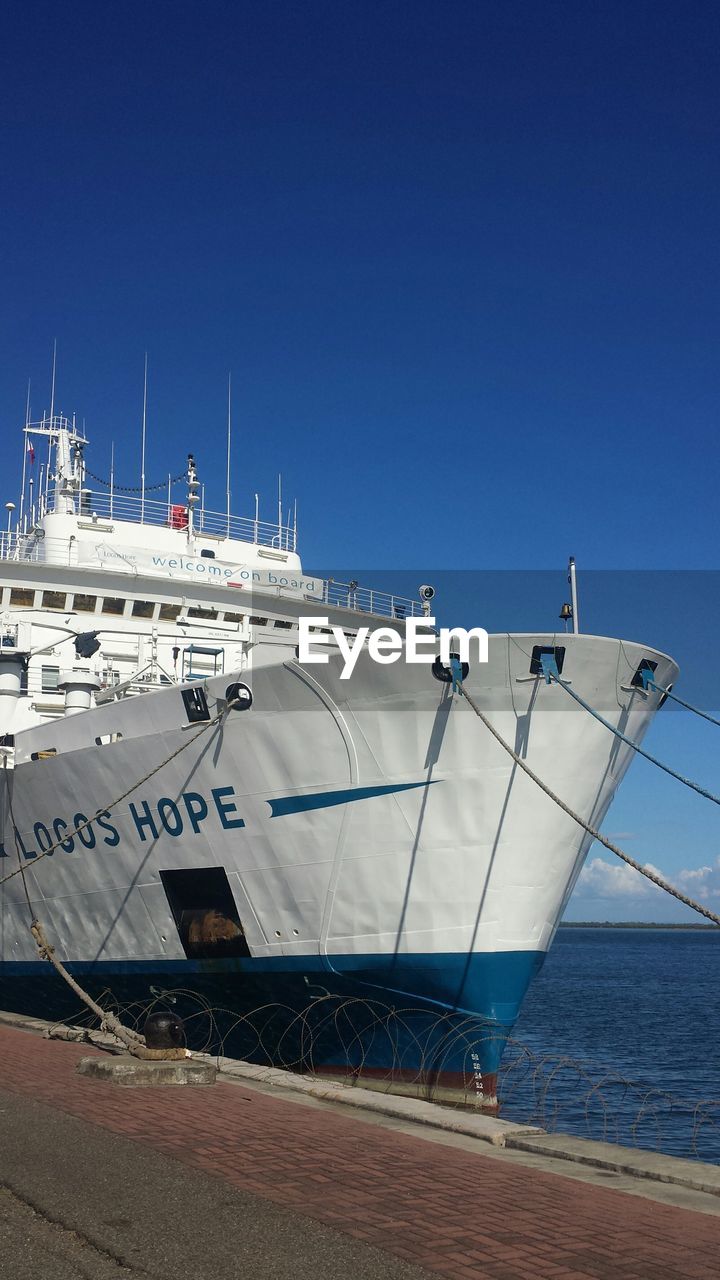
(127, 507)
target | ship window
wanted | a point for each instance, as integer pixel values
(259, 622)
(233, 617)
(205, 913)
(113, 604)
(22, 597)
(143, 608)
(53, 599)
(197, 612)
(50, 679)
(282, 625)
(84, 604)
(169, 612)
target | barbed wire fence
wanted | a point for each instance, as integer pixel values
(555, 1092)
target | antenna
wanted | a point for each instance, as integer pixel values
(50, 439)
(257, 515)
(193, 485)
(280, 509)
(227, 481)
(142, 463)
(52, 384)
(26, 447)
(112, 476)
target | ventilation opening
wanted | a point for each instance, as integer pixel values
(196, 707)
(646, 664)
(205, 913)
(558, 650)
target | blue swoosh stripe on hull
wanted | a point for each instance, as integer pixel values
(325, 799)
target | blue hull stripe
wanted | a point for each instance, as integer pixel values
(453, 1011)
(485, 985)
(325, 799)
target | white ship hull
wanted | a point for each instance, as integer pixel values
(378, 843)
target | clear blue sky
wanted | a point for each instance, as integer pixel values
(462, 260)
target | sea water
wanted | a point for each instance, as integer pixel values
(619, 1039)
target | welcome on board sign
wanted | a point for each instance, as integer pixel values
(136, 560)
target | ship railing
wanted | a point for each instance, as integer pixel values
(174, 515)
(350, 595)
(36, 548)
(13, 546)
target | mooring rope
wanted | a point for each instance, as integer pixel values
(687, 782)
(592, 831)
(108, 1022)
(688, 705)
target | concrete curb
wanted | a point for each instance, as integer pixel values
(693, 1174)
(631, 1161)
(413, 1110)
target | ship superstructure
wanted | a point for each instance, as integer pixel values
(192, 806)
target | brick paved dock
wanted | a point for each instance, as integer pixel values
(414, 1201)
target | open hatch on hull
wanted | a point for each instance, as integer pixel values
(205, 913)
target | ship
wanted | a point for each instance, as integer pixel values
(353, 869)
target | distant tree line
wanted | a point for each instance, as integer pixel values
(632, 924)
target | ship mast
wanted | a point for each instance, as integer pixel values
(69, 469)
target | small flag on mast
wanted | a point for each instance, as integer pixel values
(31, 451)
